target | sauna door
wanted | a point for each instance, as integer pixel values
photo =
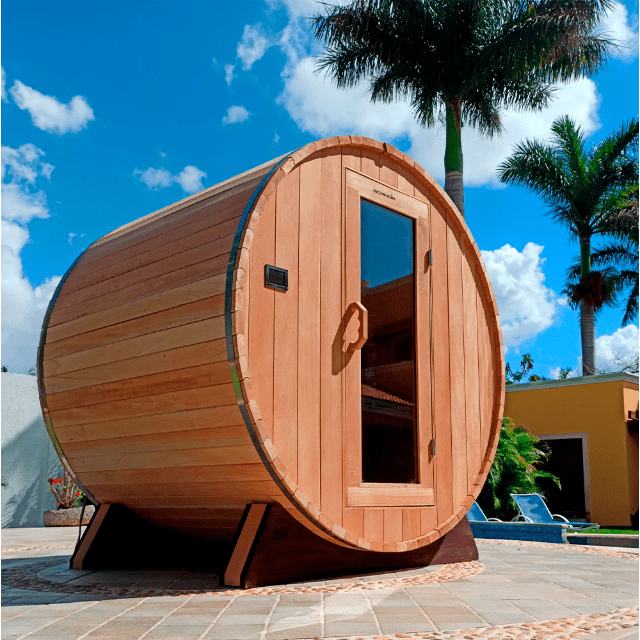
(387, 344)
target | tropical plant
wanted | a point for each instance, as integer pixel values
(515, 469)
(581, 188)
(461, 61)
(619, 254)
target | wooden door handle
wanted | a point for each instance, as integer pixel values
(358, 307)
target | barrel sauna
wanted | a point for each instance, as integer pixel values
(314, 341)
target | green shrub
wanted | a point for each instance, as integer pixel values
(514, 470)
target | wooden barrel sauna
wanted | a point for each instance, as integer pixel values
(318, 332)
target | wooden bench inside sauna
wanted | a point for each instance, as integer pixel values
(295, 373)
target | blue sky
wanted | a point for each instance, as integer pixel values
(111, 110)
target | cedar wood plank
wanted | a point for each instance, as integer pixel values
(285, 344)
(210, 417)
(206, 245)
(309, 330)
(261, 313)
(352, 519)
(457, 368)
(331, 400)
(172, 338)
(373, 518)
(442, 375)
(200, 353)
(474, 455)
(167, 319)
(127, 294)
(205, 375)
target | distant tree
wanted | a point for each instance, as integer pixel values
(462, 61)
(4, 369)
(622, 364)
(582, 189)
(516, 377)
(515, 469)
(564, 373)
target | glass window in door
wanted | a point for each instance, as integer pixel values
(389, 447)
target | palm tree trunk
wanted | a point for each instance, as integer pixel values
(588, 336)
(587, 314)
(453, 156)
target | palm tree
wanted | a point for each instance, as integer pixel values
(582, 189)
(461, 61)
(623, 251)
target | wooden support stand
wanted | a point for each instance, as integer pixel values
(271, 547)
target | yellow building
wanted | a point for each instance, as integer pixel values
(591, 426)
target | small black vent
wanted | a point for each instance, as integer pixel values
(276, 278)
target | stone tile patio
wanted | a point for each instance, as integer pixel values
(517, 590)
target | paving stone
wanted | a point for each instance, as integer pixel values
(241, 619)
(245, 632)
(411, 625)
(191, 631)
(350, 628)
(200, 619)
(543, 609)
(497, 614)
(300, 598)
(285, 632)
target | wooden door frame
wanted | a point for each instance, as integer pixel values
(358, 186)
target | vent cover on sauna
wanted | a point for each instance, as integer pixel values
(318, 333)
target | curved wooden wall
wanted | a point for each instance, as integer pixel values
(165, 366)
(134, 376)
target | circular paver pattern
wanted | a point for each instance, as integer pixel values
(565, 629)
(40, 576)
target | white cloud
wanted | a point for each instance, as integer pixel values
(613, 352)
(4, 89)
(20, 168)
(155, 178)
(190, 178)
(23, 305)
(48, 113)
(72, 235)
(526, 306)
(252, 46)
(618, 26)
(318, 107)
(618, 347)
(235, 113)
(276, 138)
(24, 163)
(300, 8)
(228, 73)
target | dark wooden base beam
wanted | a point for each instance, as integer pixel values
(274, 548)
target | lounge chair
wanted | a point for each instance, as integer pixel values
(533, 509)
(476, 514)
